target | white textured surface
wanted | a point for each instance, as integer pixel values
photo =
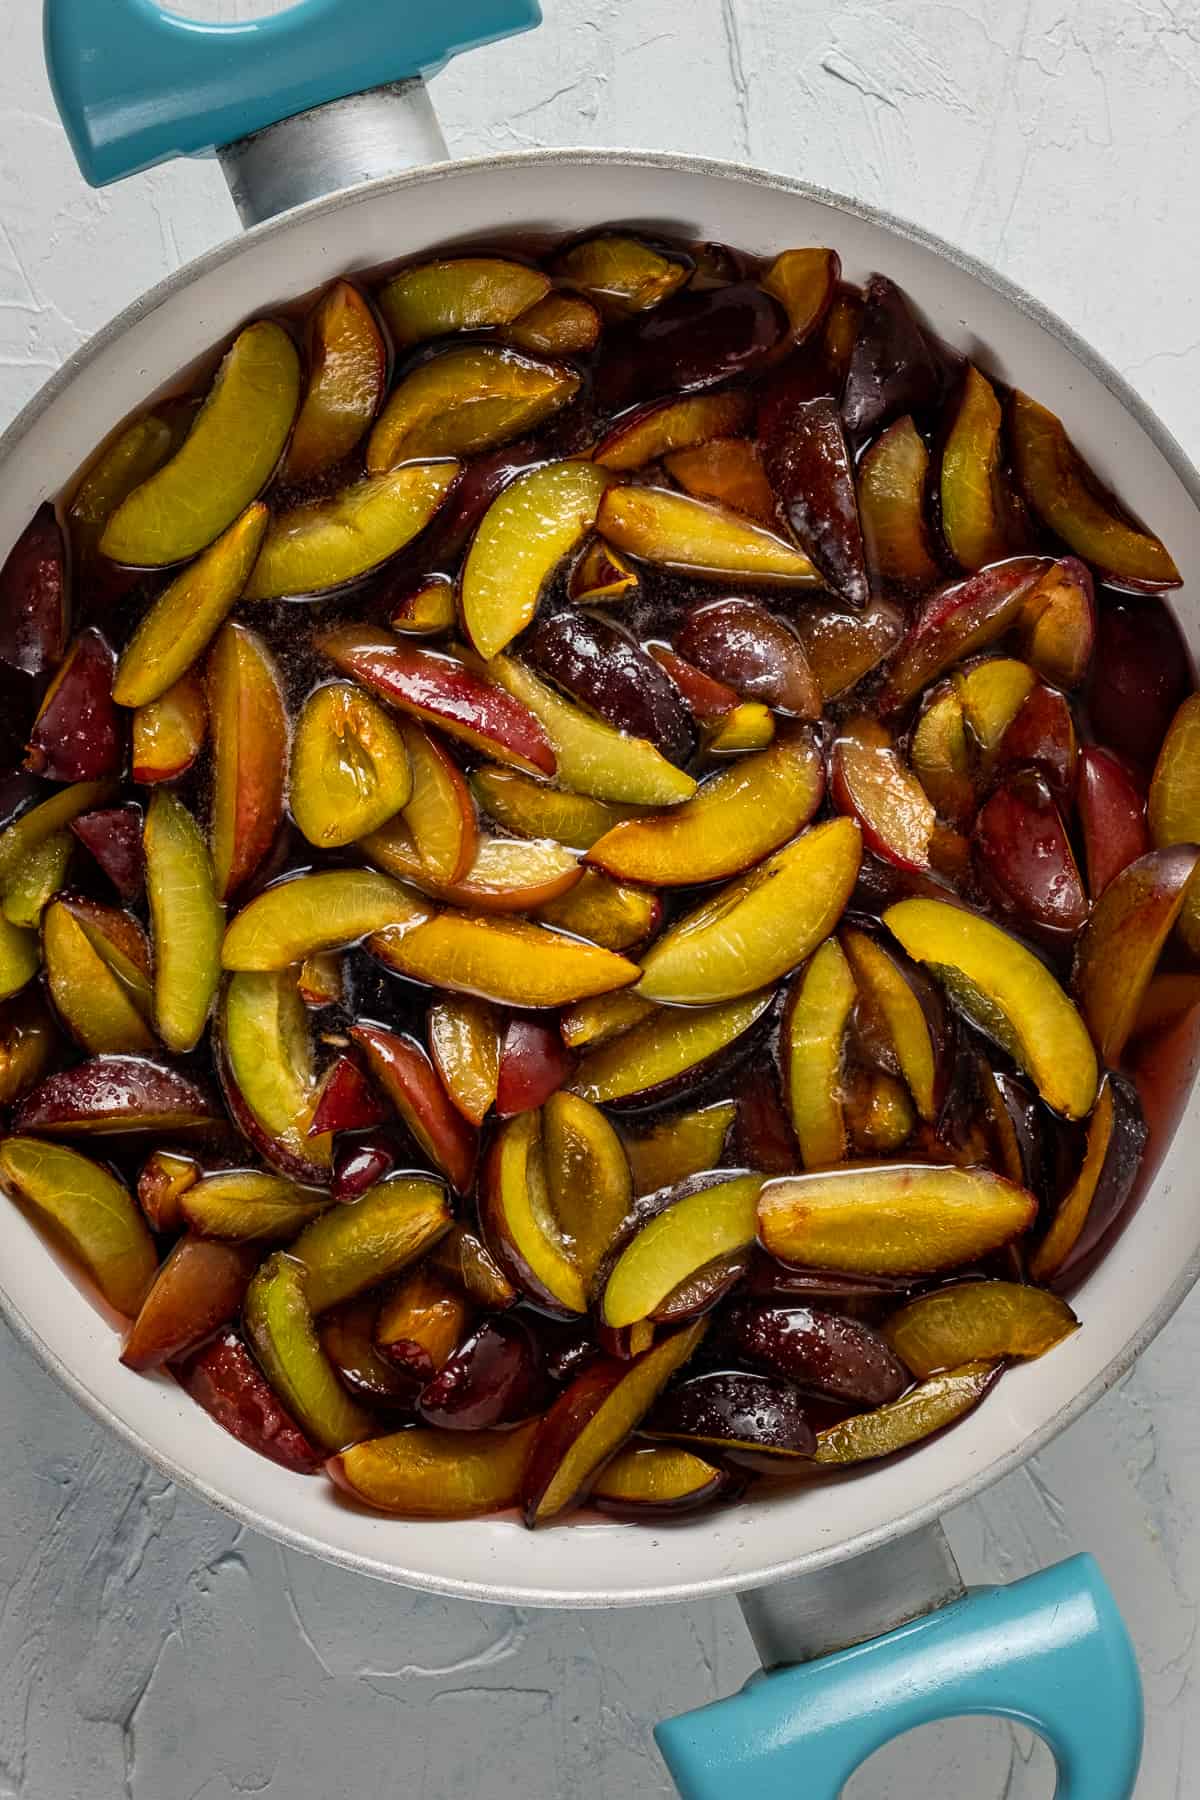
(148, 1650)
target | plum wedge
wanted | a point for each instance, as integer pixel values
(694, 536)
(114, 1096)
(34, 597)
(461, 293)
(425, 1473)
(688, 1233)
(292, 920)
(811, 1045)
(350, 767)
(465, 400)
(326, 544)
(509, 961)
(1004, 989)
(440, 690)
(187, 920)
(925, 1409)
(223, 464)
(976, 512)
(1119, 948)
(526, 532)
(957, 620)
(891, 503)
(346, 382)
(265, 1062)
(670, 1049)
(761, 926)
(250, 747)
(734, 820)
(84, 1205)
(976, 1321)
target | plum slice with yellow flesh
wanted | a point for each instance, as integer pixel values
(605, 912)
(199, 1288)
(351, 1248)
(187, 921)
(510, 961)
(325, 545)
(464, 1041)
(464, 1260)
(350, 770)
(728, 472)
(168, 733)
(495, 1378)
(748, 726)
(925, 1409)
(691, 1231)
(461, 293)
(529, 528)
(401, 1070)
(20, 957)
(89, 1212)
(76, 735)
(109, 1096)
(98, 972)
(892, 477)
(347, 379)
(1112, 818)
(520, 1227)
(33, 597)
(465, 400)
(668, 1051)
(1008, 993)
(439, 812)
(224, 1379)
(598, 1020)
(759, 927)
(425, 1473)
(590, 756)
(264, 1059)
(603, 667)
(599, 576)
(249, 1206)
(505, 875)
(891, 1218)
(976, 1321)
(955, 621)
(187, 615)
(440, 690)
(804, 282)
(872, 783)
(588, 1178)
(1112, 1160)
(991, 693)
(809, 466)
(282, 1333)
(667, 1153)
(756, 1421)
(591, 1420)
(162, 1180)
(136, 453)
(814, 1027)
(1066, 495)
(880, 1115)
(976, 511)
(557, 325)
(1057, 625)
(658, 1481)
(664, 426)
(621, 273)
(421, 1321)
(250, 753)
(941, 757)
(113, 835)
(425, 608)
(41, 876)
(1119, 948)
(1024, 856)
(911, 1013)
(347, 1101)
(756, 653)
(533, 810)
(291, 920)
(735, 819)
(223, 464)
(699, 538)
(28, 1042)
(840, 1357)
(1172, 812)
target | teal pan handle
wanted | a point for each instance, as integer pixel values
(1050, 1652)
(136, 86)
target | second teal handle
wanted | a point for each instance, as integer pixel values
(136, 86)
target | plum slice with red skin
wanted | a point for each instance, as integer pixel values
(109, 1095)
(225, 1380)
(1139, 674)
(347, 1101)
(893, 369)
(198, 1289)
(1023, 852)
(836, 1355)
(113, 834)
(33, 597)
(77, 734)
(402, 1069)
(599, 664)
(759, 656)
(692, 341)
(495, 1378)
(956, 620)
(809, 466)
(534, 1063)
(757, 1421)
